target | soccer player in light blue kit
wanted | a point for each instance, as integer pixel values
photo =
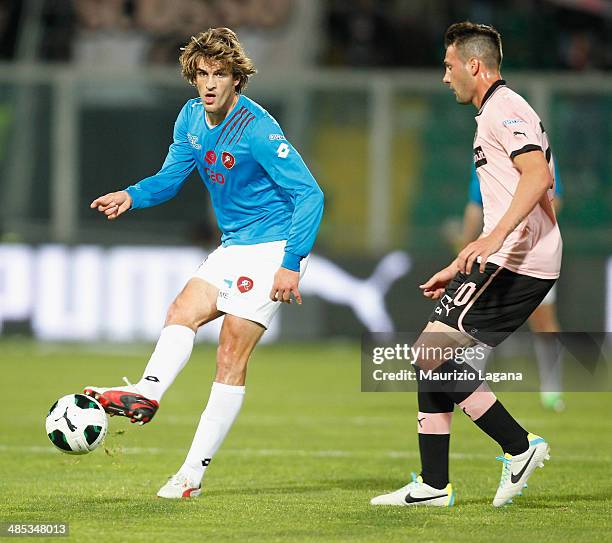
(268, 207)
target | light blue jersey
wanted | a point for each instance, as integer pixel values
(260, 188)
(475, 197)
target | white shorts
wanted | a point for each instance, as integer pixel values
(244, 275)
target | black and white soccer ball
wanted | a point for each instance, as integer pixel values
(76, 424)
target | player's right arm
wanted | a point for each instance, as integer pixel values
(112, 204)
(435, 286)
(160, 187)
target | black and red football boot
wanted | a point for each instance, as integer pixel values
(124, 401)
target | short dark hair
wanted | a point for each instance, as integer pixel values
(476, 40)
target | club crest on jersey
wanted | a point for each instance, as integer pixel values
(244, 284)
(228, 160)
(210, 157)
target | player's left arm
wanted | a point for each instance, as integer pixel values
(287, 169)
(534, 182)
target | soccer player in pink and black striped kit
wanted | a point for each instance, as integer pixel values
(495, 282)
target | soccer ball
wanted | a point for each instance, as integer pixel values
(76, 424)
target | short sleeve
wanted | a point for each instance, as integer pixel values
(517, 133)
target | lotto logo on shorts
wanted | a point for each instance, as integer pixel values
(228, 160)
(244, 284)
(210, 157)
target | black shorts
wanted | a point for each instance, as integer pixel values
(490, 306)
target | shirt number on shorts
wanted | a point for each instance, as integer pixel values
(464, 293)
(282, 151)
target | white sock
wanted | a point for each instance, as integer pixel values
(221, 411)
(548, 352)
(171, 353)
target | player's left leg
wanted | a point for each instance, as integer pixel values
(236, 343)
(543, 322)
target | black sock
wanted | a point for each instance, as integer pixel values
(503, 428)
(434, 459)
(496, 421)
(434, 448)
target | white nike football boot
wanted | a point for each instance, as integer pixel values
(517, 469)
(417, 493)
(179, 486)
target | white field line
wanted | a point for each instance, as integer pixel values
(334, 453)
(272, 420)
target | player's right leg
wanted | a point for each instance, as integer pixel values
(193, 307)
(432, 486)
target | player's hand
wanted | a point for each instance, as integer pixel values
(434, 287)
(483, 247)
(285, 284)
(112, 204)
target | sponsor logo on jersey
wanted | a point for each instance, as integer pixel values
(193, 140)
(479, 157)
(215, 177)
(276, 137)
(509, 122)
(210, 157)
(282, 151)
(244, 284)
(228, 160)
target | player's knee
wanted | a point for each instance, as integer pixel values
(179, 313)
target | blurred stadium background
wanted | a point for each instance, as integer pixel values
(89, 91)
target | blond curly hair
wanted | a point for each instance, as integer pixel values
(221, 45)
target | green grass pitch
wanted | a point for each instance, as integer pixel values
(305, 456)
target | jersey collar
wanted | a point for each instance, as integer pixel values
(230, 115)
(489, 93)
